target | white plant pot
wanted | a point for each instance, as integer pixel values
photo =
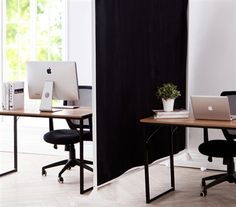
(168, 105)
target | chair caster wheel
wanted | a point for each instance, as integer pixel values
(203, 194)
(60, 180)
(44, 173)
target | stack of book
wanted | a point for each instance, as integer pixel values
(178, 113)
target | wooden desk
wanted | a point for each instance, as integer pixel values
(173, 124)
(78, 114)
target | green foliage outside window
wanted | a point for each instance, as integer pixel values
(46, 43)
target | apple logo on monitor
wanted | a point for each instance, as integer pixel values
(210, 108)
(49, 70)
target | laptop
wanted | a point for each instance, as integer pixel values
(211, 108)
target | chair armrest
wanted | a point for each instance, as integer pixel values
(51, 127)
(73, 125)
(206, 139)
(205, 134)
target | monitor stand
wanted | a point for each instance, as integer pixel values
(46, 99)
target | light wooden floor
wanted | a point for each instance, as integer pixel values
(28, 188)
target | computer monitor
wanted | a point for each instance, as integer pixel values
(49, 80)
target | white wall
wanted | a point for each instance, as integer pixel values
(80, 38)
(211, 54)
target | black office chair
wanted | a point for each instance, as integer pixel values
(225, 149)
(69, 137)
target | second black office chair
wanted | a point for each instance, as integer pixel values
(225, 149)
(69, 137)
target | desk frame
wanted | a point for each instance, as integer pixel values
(14, 149)
(146, 166)
(84, 113)
(174, 124)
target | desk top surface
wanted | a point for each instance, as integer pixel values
(78, 113)
(190, 122)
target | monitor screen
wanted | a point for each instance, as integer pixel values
(61, 76)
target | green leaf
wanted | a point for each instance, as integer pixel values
(168, 91)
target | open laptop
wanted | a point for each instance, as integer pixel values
(211, 108)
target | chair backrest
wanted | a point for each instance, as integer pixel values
(85, 99)
(230, 134)
(85, 93)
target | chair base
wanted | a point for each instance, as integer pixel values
(69, 163)
(217, 179)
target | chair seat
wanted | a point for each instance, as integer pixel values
(65, 136)
(218, 148)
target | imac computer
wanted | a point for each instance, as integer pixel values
(49, 80)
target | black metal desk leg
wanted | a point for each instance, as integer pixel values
(14, 148)
(15, 143)
(172, 173)
(146, 170)
(81, 151)
(82, 163)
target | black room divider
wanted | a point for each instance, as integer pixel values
(140, 44)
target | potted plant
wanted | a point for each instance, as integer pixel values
(168, 93)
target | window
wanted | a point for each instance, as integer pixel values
(32, 30)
